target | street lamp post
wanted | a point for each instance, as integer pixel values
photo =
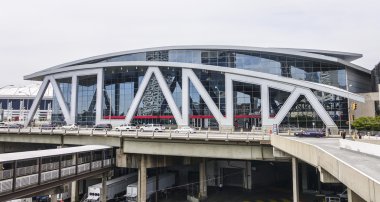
(219, 92)
(349, 109)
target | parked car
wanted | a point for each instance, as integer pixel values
(104, 127)
(15, 125)
(127, 127)
(152, 127)
(3, 125)
(185, 129)
(70, 127)
(47, 126)
(310, 133)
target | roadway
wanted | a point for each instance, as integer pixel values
(369, 165)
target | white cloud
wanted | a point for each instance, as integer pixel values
(41, 33)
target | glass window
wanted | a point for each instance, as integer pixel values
(86, 100)
(247, 105)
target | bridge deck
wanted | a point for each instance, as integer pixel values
(369, 165)
(358, 171)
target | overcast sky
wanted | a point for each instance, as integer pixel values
(37, 34)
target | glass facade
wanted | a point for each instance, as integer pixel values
(200, 114)
(303, 115)
(247, 105)
(65, 87)
(296, 67)
(120, 87)
(276, 98)
(86, 100)
(122, 83)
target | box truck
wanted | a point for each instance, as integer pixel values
(114, 187)
(166, 180)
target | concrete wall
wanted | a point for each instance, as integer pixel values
(368, 107)
(359, 183)
(366, 148)
(243, 151)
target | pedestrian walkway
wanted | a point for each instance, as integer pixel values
(24, 173)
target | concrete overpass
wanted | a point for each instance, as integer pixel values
(209, 144)
(358, 171)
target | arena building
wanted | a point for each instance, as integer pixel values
(225, 87)
(15, 103)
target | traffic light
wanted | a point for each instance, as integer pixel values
(354, 106)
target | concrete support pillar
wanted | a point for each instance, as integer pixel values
(229, 99)
(142, 180)
(265, 108)
(248, 176)
(103, 191)
(202, 179)
(53, 198)
(185, 99)
(304, 177)
(353, 197)
(74, 191)
(73, 104)
(99, 95)
(295, 179)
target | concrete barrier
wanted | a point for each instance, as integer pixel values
(366, 148)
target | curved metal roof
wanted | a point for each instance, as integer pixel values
(332, 56)
(267, 76)
(28, 91)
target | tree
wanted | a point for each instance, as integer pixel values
(367, 123)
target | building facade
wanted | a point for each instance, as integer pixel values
(15, 103)
(223, 87)
(371, 107)
(375, 78)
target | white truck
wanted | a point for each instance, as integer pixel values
(114, 187)
(166, 180)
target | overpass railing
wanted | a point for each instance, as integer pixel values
(256, 135)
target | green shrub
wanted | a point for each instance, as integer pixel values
(367, 123)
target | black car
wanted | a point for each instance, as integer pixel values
(310, 133)
(47, 127)
(103, 127)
